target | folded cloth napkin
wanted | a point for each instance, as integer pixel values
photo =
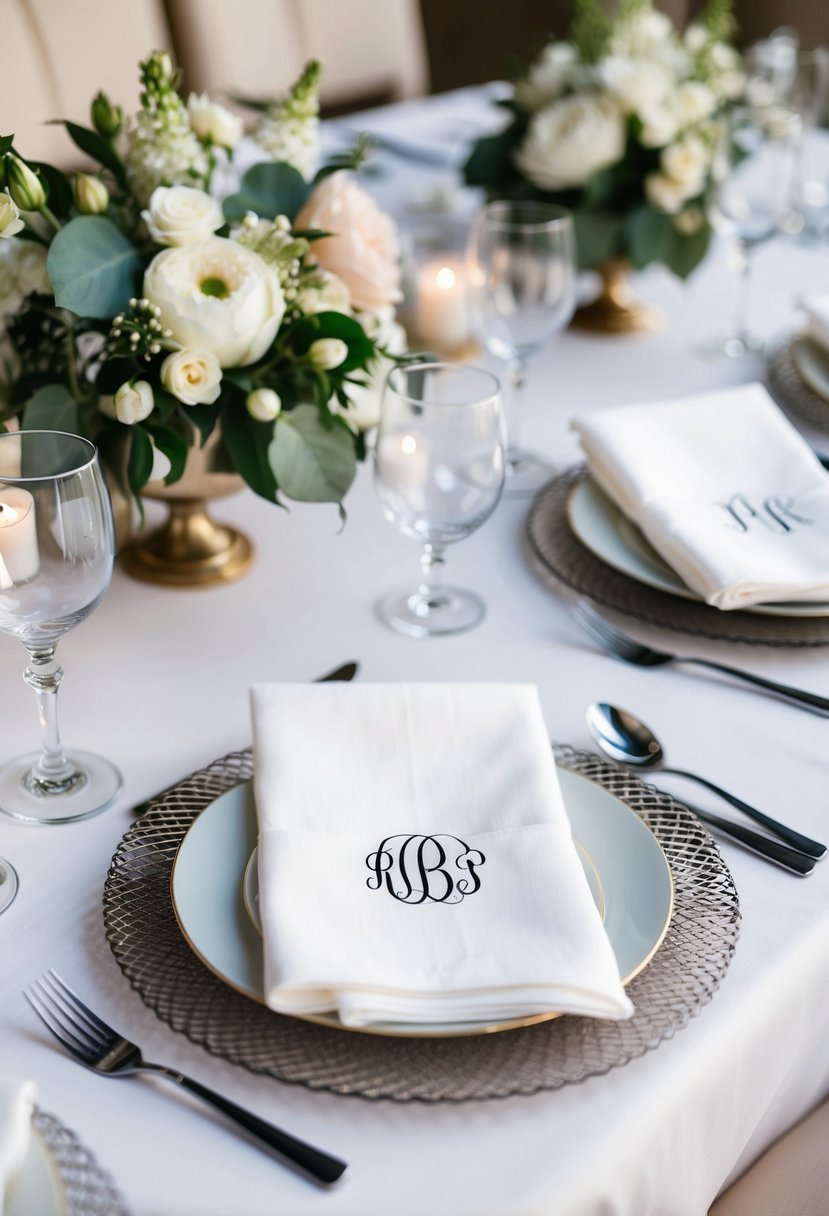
(724, 488)
(17, 1100)
(816, 308)
(415, 859)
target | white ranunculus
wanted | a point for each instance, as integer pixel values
(182, 215)
(659, 127)
(665, 193)
(263, 404)
(327, 353)
(547, 77)
(570, 140)
(30, 268)
(219, 296)
(637, 85)
(10, 221)
(211, 121)
(328, 294)
(687, 162)
(194, 377)
(133, 402)
(694, 101)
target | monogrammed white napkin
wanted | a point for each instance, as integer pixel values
(17, 1100)
(415, 858)
(724, 488)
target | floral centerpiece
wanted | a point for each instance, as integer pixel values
(138, 309)
(619, 123)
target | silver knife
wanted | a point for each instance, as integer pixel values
(342, 674)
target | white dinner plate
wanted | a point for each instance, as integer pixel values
(608, 533)
(39, 1190)
(207, 884)
(811, 362)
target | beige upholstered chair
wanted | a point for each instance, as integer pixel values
(370, 50)
(790, 1179)
(55, 54)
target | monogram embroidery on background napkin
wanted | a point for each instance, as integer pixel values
(414, 868)
(775, 513)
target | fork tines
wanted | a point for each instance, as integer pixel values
(66, 1016)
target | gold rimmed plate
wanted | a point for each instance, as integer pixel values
(208, 894)
(606, 531)
(811, 362)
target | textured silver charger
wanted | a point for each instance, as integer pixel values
(144, 935)
(791, 391)
(557, 551)
(88, 1190)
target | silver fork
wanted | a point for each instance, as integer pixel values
(98, 1047)
(611, 639)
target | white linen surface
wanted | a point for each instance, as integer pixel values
(724, 488)
(349, 778)
(17, 1100)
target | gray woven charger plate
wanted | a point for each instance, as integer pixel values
(792, 392)
(88, 1190)
(149, 947)
(557, 551)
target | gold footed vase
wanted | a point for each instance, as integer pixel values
(191, 549)
(616, 310)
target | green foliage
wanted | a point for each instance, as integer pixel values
(99, 148)
(651, 236)
(172, 444)
(590, 29)
(307, 330)
(93, 267)
(247, 442)
(269, 189)
(52, 408)
(598, 236)
(140, 462)
(718, 18)
(311, 463)
(58, 188)
(490, 162)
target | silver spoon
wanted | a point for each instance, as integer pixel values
(623, 737)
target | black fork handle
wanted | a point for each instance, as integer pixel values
(797, 696)
(313, 1161)
(804, 844)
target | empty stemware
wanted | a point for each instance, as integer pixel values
(438, 472)
(522, 284)
(56, 555)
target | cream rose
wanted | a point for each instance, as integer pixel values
(218, 296)
(181, 215)
(364, 250)
(10, 221)
(194, 377)
(570, 140)
(263, 404)
(211, 121)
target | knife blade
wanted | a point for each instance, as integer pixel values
(342, 674)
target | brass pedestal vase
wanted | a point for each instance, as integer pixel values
(616, 310)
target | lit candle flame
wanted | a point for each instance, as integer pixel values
(408, 445)
(445, 278)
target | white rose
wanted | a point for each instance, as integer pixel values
(327, 353)
(687, 162)
(330, 294)
(30, 268)
(570, 140)
(192, 376)
(659, 127)
(665, 193)
(133, 402)
(219, 296)
(10, 221)
(263, 404)
(180, 215)
(694, 101)
(211, 121)
(637, 85)
(547, 77)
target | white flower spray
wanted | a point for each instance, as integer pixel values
(163, 150)
(289, 129)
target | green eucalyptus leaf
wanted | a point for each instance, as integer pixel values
(311, 463)
(649, 235)
(687, 252)
(175, 448)
(247, 442)
(140, 463)
(58, 187)
(93, 267)
(491, 161)
(98, 148)
(333, 325)
(204, 418)
(270, 189)
(51, 408)
(598, 236)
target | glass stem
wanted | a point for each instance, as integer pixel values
(743, 290)
(431, 592)
(517, 374)
(53, 773)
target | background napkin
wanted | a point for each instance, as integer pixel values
(724, 488)
(817, 319)
(340, 768)
(17, 1100)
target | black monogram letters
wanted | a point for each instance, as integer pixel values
(416, 868)
(775, 513)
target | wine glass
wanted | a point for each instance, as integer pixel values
(522, 290)
(56, 555)
(752, 174)
(439, 473)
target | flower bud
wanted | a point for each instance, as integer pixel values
(24, 185)
(10, 221)
(263, 404)
(91, 195)
(134, 402)
(327, 353)
(107, 119)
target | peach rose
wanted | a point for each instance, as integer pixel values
(363, 251)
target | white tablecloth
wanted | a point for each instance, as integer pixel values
(158, 680)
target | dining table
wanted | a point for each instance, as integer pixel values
(158, 679)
